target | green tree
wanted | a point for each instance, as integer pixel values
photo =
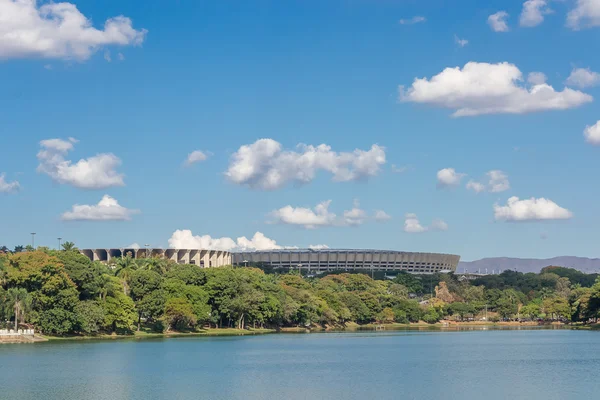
(20, 301)
(179, 314)
(89, 317)
(69, 246)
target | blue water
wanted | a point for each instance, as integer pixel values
(491, 364)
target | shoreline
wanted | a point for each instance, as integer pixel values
(212, 332)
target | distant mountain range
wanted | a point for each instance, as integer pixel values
(586, 265)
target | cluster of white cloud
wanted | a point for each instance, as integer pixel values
(592, 134)
(355, 216)
(448, 177)
(97, 172)
(497, 21)
(306, 217)
(58, 30)
(414, 20)
(8, 187)
(381, 216)
(533, 12)
(530, 210)
(497, 182)
(583, 78)
(483, 88)
(413, 225)
(184, 239)
(196, 156)
(320, 216)
(107, 209)
(265, 165)
(586, 14)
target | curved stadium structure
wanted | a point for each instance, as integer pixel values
(312, 260)
(329, 259)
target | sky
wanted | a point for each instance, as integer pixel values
(437, 126)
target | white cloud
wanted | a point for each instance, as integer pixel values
(355, 216)
(497, 182)
(97, 172)
(196, 156)
(586, 14)
(107, 56)
(477, 187)
(497, 21)
(583, 78)
(321, 216)
(592, 134)
(530, 210)
(413, 225)
(482, 88)
(108, 209)
(121, 57)
(318, 247)
(265, 165)
(134, 246)
(460, 42)
(381, 216)
(184, 239)
(533, 12)
(448, 177)
(536, 78)
(8, 187)
(306, 217)
(58, 30)
(414, 20)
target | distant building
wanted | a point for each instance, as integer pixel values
(309, 260)
(330, 259)
(202, 258)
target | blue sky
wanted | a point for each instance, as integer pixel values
(215, 76)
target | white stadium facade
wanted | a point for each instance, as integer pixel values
(310, 260)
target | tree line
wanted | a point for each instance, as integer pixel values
(64, 293)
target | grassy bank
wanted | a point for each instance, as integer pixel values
(157, 335)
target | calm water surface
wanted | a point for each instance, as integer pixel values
(492, 364)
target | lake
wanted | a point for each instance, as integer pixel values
(479, 364)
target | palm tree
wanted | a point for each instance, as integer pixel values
(29, 248)
(124, 267)
(154, 264)
(21, 302)
(69, 246)
(4, 249)
(19, 249)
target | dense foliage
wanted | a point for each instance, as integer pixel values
(63, 292)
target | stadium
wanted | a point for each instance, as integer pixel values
(310, 260)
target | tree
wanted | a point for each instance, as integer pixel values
(19, 249)
(69, 246)
(89, 317)
(124, 268)
(531, 310)
(179, 314)
(386, 316)
(21, 303)
(461, 309)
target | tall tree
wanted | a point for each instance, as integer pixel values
(20, 301)
(69, 246)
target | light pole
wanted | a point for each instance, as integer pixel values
(300, 269)
(59, 239)
(33, 240)
(147, 245)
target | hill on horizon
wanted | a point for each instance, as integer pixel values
(583, 264)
